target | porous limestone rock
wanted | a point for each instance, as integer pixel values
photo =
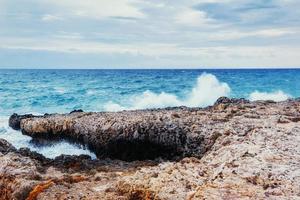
(232, 150)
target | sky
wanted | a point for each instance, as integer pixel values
(149, 33)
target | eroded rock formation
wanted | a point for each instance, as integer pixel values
(132, 135)
(233, 150)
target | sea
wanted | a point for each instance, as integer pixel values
(61, 91)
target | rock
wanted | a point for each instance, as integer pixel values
(295, 119)
(283, 120)
(223, 100)
(127, 135)
(75, 111)
(6, 147)
(242, 157)
(15, 120)
(33, 155)
(226, 100)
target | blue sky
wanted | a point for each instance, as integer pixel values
(149, 33)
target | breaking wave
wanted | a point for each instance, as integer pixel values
(275, 96)
(19, 140)
(206, 91)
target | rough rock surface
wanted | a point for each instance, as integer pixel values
(133, 135)
(233, 150)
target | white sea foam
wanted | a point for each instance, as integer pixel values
(152, 100)
(206, 91)
(19, 140)
(275, 96)
(113, 107)
(12, 136)
(63, 148)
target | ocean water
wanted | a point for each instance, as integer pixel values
(60, 91)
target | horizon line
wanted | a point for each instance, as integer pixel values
(158, 68)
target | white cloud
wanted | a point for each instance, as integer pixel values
(192, 17)
(265, 33)
(167, 32)
(68, 36)
(98, 8)
(231, 56)
(50, 18)
(274, 32)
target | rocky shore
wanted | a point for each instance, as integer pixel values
(235, 149)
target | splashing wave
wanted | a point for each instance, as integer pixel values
(275, 96)
(19, 140)
(206, 91)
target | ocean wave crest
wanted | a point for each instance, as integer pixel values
(206, 91)
(275, 96)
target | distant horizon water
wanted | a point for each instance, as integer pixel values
(152, 68)
(40, 91)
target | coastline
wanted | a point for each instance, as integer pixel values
(235, 149)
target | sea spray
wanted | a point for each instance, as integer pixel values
(61, 91)
(275, 96)
(206, 91)
(19, 140)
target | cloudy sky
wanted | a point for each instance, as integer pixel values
(149, 33)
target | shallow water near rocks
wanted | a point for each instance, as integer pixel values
(61, 91)
(51, 150)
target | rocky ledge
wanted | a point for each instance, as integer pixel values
(169, 133)
(235, 149)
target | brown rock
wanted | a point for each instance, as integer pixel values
(241, 158)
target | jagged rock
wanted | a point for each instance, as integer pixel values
(15, 120)
(127, 135)
(226, 100)
(241, 157)
(74, 111)
(6, 147)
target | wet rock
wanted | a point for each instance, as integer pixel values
(6, 147)
(15, 120)
(75, 111)
(33, 155)
(223, 100)
(226, 100)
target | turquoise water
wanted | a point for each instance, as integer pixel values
(49, 91)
